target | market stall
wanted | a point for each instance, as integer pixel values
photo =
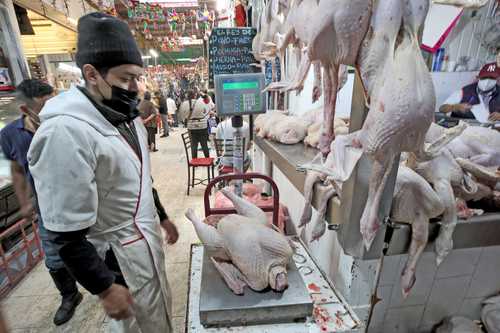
(370, 280)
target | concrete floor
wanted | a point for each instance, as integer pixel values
(31, 305)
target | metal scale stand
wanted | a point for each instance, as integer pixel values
(237, 95)
(238, 150)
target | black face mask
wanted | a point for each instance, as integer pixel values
(123, 101)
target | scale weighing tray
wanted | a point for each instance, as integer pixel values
(331, 313)
(219, 306)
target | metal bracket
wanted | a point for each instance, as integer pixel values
(334, 227)
(388, 222)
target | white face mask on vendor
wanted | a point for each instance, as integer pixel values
(485, 85)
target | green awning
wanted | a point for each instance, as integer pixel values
(170, 58)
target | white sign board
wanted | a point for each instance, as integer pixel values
(439, 23)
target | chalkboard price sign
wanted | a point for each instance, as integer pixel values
(230, 52)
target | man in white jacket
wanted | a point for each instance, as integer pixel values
(90, 164)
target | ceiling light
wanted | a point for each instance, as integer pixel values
(146, 57)
(153, 53)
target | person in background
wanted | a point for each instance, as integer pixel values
(162, 109)
(91, 167)
(15, 140)
(198, 127)
(480, 100)
(148, 114)
(225, 131)
(212, 125)
(186, 106)
(207, 101)
(172, 109)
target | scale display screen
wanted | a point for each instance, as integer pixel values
(239, 94)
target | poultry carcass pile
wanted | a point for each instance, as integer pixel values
(460, 170)
(248, 251)
(401, 95)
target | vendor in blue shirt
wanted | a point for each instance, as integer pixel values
(15, 140)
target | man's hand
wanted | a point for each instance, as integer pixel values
(495, 116)
(171, 230)
(463, 107)
(117, 302)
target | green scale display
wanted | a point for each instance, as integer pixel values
(240, 94)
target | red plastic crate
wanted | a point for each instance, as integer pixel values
(19, 260)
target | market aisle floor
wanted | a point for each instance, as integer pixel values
(31, 305)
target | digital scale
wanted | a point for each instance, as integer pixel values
(237, 95)
(240, 94)
(309, 305)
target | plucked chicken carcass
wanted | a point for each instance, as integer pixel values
(454, 173)
(414, 202)
(402, 98)
(282, 128)
(249, 252)
(335, 40)
(269, 26)
(252, 193)
(297, 30)
(340, 126)
(480, 145)
(463, 3)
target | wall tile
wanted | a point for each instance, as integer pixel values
(486, 281)
(459, 262)
(389, 274)
(446, 299)
(384, 293)
(426, 271)
(403, 320)
(471, 308)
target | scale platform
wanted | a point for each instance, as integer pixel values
(330, 314)
(220, 307)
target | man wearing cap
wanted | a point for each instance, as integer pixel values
(91, 168)
(480, 100)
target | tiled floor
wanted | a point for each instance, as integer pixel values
(31, 305)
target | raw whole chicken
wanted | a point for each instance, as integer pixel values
(453, 176)
(335, 40)
(261, 122)
(480, 145)
(414, 202)
(249, 252)
(463, 3)
(458, 325)
(252, 193)
(297, 30)
(269, 26)
(282, 128)
(490, 314)
(340, 126)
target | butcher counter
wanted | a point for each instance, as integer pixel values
(458, 286)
